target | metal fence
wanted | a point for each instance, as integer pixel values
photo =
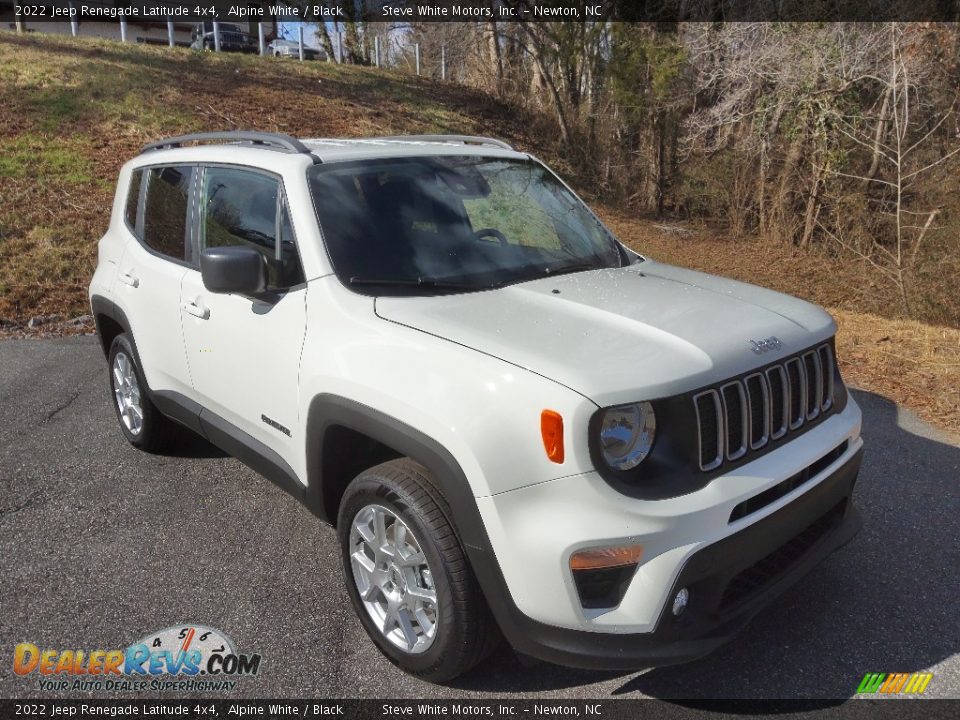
(170, 33)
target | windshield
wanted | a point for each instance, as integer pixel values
(453, 224)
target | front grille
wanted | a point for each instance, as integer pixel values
(758, 398)
(735, 415)
(779, 401)
(765, 571)
(826, 366)
(710, 422)
(745, 415)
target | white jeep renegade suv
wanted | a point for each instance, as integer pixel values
(518, 426)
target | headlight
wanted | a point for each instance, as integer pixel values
(626, 434)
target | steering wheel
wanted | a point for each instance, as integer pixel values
(492, 233)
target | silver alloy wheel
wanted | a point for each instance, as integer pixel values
(126, 390)
(393, 578)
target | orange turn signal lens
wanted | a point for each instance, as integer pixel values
(551, 429)
(610, 557)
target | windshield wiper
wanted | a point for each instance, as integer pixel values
(417, 282)
(578, 267)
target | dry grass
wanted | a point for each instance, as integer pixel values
(72, 110)
(915, 364)
(825, 279)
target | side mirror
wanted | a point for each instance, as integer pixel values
(234, 269)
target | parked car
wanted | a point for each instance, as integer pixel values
(232, 38)
(291, 49)
(518, 426)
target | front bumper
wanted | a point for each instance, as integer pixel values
(732, 565)
(729, 582)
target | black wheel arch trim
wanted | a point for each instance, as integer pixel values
(100, 305)
(327, 410)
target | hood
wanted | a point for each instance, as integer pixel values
(636, 333)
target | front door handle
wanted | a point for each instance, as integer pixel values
(129, 279)
(197, 310)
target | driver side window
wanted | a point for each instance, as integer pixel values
(243, 207)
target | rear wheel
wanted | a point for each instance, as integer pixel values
(140, 421)
(407, 575)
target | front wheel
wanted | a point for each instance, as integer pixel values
(407, 575)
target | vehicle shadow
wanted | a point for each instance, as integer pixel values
(188, 444)
(884, 603)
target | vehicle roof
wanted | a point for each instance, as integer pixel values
(341, 149)
(267, 149)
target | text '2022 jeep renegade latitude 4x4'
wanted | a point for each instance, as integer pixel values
(517, 425)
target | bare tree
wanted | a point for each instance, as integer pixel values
(323, 35)
(494, 55)
(764, 90)
(906, 144)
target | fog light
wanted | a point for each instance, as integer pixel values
(680, 602)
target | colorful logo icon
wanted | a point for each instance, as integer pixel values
(895, 683)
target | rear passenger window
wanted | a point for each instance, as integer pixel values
(241, 207)
(133, 199)
(165, 210)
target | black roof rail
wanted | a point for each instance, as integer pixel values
(465, 139)
(274, 141)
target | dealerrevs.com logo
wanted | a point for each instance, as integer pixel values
(185, 657)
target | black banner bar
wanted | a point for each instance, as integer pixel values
(205, 709)
(400, 11)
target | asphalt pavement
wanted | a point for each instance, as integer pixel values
(101, 543)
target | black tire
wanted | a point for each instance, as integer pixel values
(156, 430)
(465, 629)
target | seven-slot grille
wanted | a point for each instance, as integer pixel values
(744, 415)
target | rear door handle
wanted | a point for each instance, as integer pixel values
(197, 311)
(129, 279)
